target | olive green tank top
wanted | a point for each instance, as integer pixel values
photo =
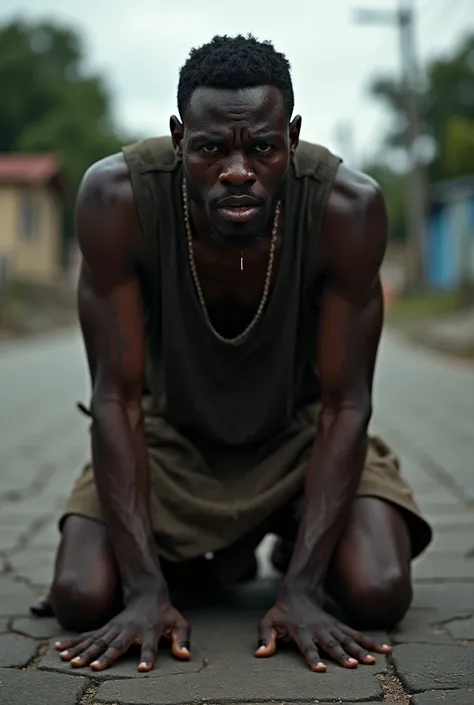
(232, 394)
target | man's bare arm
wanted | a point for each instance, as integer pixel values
(354, 241)
(351, 320)
(111, 316)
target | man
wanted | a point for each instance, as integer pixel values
(231, 309)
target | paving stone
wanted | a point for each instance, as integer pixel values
(439, 566)
(454, 541)
(244, 684)
(16, 650)
(431, 667)
(461, 629)
(48, 537)
(9, 537)
(35, 565)
(454, 521)
(38, 628)
(126, 667)
(420, 627)
(27, 687)
(450, 600)
(451, 697)
(15, 597)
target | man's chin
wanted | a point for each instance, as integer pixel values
(235, 238)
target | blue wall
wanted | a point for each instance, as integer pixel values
(439, 260)
(449, 243)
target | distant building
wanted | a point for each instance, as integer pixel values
(31, 216)
(449, 246)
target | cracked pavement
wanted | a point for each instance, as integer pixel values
(424, 405)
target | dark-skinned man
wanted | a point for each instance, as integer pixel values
(231, 310)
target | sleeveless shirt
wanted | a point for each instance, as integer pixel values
(234, 395)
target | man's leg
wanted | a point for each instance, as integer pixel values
(369, 576)
(85, 592)
(371, 573)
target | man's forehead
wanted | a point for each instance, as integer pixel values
(262, 105)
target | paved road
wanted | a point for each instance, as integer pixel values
(424, 405)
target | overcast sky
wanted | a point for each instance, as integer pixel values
(139, 45)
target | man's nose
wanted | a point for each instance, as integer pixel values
(237, 171)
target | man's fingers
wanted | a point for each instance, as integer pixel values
(149, 648)
(366, 642)
(71, 642)
(266, 640)
(116, 648)
(351, 647)
(181, 641)
(333, 648)
(303, 639)
(96, 646)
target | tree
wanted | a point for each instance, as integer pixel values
(50, 103)
(447, 110)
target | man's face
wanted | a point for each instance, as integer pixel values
(236, 147)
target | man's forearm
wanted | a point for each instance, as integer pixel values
(333, 476)
(120, 462)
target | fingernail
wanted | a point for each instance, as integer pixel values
(185, 650)
(75, 660)
(143, 664)
(57, 644)
(352, 661)
(386, 646)
(64, 653)
(369, 657)
(261, 648)
(95, 663)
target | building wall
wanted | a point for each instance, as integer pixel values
(450, 244)
(30, 236)
(7, 228)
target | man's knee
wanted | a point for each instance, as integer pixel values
(81, 603)
(378, 600)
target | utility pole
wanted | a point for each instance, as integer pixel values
(415, 186)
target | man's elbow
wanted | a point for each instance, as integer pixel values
(358, 414)
(107, 407)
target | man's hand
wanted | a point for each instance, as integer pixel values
(144, 621)
(313, 630)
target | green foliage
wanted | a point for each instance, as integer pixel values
(447, 115)
(448, 94)
(392, 185)
(51, 103)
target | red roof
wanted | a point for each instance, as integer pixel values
(28, 168)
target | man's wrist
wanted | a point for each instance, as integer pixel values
(153, 585)
(293, 586)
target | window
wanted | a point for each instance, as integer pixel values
(28, 216)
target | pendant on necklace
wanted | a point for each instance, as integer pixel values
(241, 261)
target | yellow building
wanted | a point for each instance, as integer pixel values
(31, 210)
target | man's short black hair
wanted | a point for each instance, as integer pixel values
(235, 62)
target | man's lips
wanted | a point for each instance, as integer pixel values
(238, 214)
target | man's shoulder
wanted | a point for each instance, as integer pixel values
(315, 161)
(106, 214)
(353, 193)
(355, 230)
(107, 182)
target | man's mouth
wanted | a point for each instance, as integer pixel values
(238, 208)
(238, 214)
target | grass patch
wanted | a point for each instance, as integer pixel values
(430, 305)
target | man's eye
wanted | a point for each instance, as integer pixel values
(209, 148)
(263, 148)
